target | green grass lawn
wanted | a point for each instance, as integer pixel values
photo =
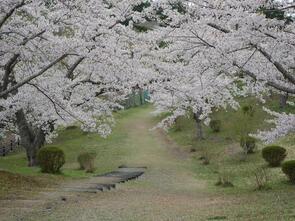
(111, 151)
(226, 159)
(176, 185)
(224, 151)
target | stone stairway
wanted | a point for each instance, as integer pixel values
(107, 181)
(46, 199)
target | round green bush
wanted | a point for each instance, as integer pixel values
(86, 161)
(274, 155)
(51, 159)
(248, 110)
(215, 125)
(288, 168)
(248, 144)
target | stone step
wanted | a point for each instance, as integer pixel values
(82, 190)
(107, 181)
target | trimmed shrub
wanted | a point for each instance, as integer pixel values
(248, 110)
(288, 168)
(86, 161)
(248, 144)
(215, 125)
(51, 159)
(72, 127)
(274, 155)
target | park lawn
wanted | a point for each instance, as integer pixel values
(111, 151)
(174, 186)
(226, 159)
(223, 148)
(177, 186)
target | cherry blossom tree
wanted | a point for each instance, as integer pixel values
(64, 62)
(189, 77)
(73, 61)
(191, 88)
(249, 42)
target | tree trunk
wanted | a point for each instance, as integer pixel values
(199, 127)
(133, 98)
(31, 138)
(283, 100)
(271, 93)
(141, 96)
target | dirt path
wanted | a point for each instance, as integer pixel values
(167, 191)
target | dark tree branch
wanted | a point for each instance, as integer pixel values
(110, 27)
(288, 76)
(9, 14)
(28, 79)
(71, 70)
(287, 7)
(269, 83)
(27, 39)
(8, 70)
(13, 61)
(219, 28)
(226, 31)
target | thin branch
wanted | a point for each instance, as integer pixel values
(49, 98)
(59, 105)
(202, 40)
(253, 53)
(239, 49)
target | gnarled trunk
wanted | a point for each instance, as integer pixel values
(200, 135)
(31, 138)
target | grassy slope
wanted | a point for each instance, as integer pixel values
(111, 151)
(226, 157)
